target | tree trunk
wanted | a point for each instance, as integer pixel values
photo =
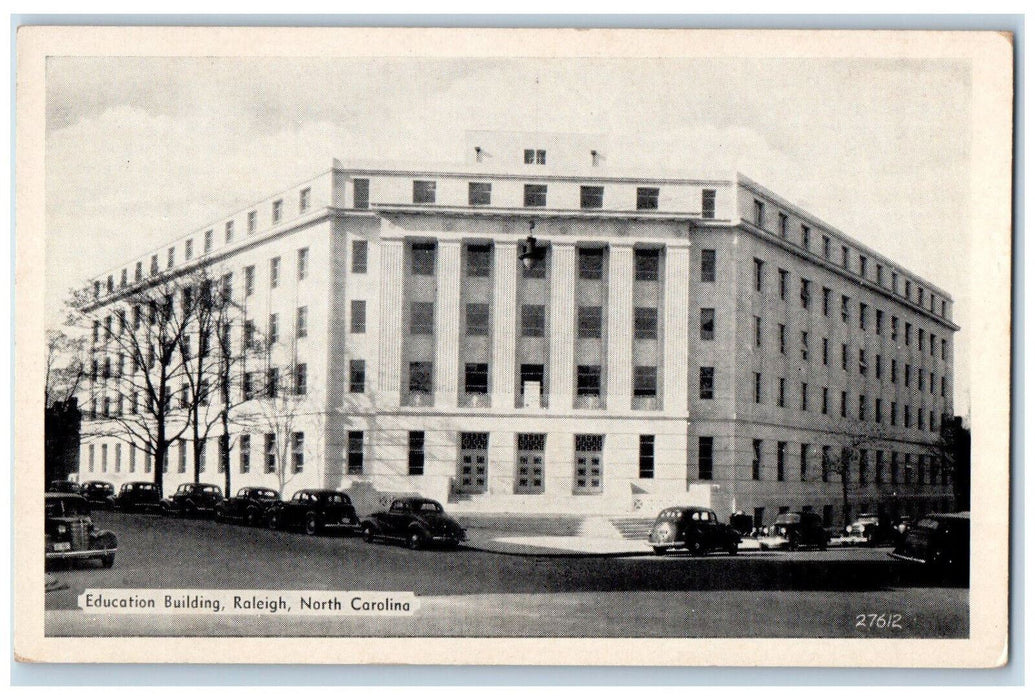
(198, 445)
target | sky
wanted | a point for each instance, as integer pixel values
(140, 151)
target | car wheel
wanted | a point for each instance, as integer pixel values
(273, 522)
(696, 548)
(732, 549)
(312, 524)
(368, 533)
(252, 517)
(660, 550)
(415, 540)
(108, 560)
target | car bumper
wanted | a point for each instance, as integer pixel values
(448, 539)
(667, 543)
(906, 557)
(81, 554)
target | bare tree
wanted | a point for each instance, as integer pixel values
(846, 459)
(65, 367)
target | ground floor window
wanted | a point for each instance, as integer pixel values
(704, 458)
(297, 451)
(531, 448)
(355, 452)
(472, 463)
(646, 456)
(589, 460)
(271, 453)
(246, 453)
(416, 453)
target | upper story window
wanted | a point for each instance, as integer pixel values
(591, 197)
(423, 191)
(229, 229)
(274, 272)
(759, 213)
(124, 279)
(894, 282)
(535, 195)
(826, 247)
(359, 256)
(138, 273)
(304, 198)
(303, 263)
(479, 194)
(647, 197)
(111, 284)
(707, 265)
(591, 263)
(535, 156)
(783, 224)
(188, 249)
(171, 257)
(909, 289)
(707, 204)
(253, 222)
(479, 260)
(806, 233)
(862, 265)
(278, 211)
(880, 274)
(844, 256)
(646, 263)
(423, 259)
(208, 240)
(154, 264)
(360, 193)
(590, 321)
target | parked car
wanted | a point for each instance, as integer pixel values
(62, 486)
(98, 493)
(193, 500)
(71, 534)
(868, 529)
(694, 529)
(137, 495)
(793, 530)
(743, 523)
(248, 506)
(314, 510)
(940, 542)
(419, 522)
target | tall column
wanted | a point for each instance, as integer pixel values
(447, 323)
(504, 331)
(562, 325)
(389, 356)
(676, 328)
(619, 326)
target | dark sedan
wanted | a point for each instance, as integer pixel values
(694, 529)
(138, 496)
(193, 500)
(99, 493)
(314, 510)
(62, 486)
(940, 542)
(249, 506)
(416, 521)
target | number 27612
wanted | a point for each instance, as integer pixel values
(890, 621)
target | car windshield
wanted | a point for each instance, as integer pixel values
(336, 498)
(210, 489)
(430, 507)
(65, 507)
(265, 494)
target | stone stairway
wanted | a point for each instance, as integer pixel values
(633, 528)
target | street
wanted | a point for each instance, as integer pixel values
(468, 592)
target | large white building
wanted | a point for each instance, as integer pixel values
(664, 340)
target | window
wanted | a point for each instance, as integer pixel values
(422, 259)
(805, 346)
(272, 382)
(357, 376)
(473, 462)
(844, 256)
(300, 379)
(245, 454)
(249, 280)
(645, 381)
(277, 211)
(181, 466)
(783, 225)
(420, 378)
(422, 318)
(781, 394)
(646, 456)
(930, 346)
(138, 273)
(909, 289)
(878, 410)
(862, 362)
(297, 451)
(920, 378)
(707, 383)
(535, 157)
(704, 458)
(423, 191)
(646, 263)
(591, 197)
(844, 404)
(880, 274)
(863, 466)
(304, 197)
(781, 460)
(759, 214)
(862, 265)
(862, 407)
(188, 252)
(355, 452)
(358, 322)
(415, 458)
(805, 235)
(533, 320)
(758, 387)
(845, 301)
(588, 473)
(591, 263)
(707, 265)
(647, 197)
(759, 276)
(479, 260)
(804, 461)
(589, 318)
(301, 322)
(804, 396)
(477, 319)
(535, 195)
(359, 257)
(303, 263)
(479, 194)
(361, 193)
(894, 371)
(894, 327)
(645, 323)
(782, 338)
(274, 272)
(862, 316)
(825, 403)
(806, 293)
(758, 331)
(707, 204)
(756, 460)
(476, 378)
(878, 473)
(274, 329)
(826, 247)
(529, 476)
(783, 284)
(909, 333)
(532, 374)
(707, 324)
(878, 321)
(588, 380)
(877, 367)
(826, 351)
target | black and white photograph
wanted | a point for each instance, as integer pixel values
(439, 338)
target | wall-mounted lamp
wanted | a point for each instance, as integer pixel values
(478, 153)
(531, 252)
(593, 155)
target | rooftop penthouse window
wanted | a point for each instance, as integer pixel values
(647, 197)
(535, 195)
(423, 191)
(278, 210)
(707, 204)
(361, 194)
(304, 198)
(591, 197)
(535, 156)
(253, 222)
(479, 194)
(759, 214)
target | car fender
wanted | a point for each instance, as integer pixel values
(106, 539)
